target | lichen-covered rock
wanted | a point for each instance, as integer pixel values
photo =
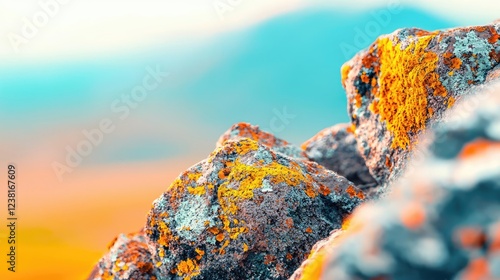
(246, 212)
(442, 218)
(407, 79)
(336, 149)
(129, 257)
(246, 130)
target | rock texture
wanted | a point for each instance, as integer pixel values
(442, 218)
(406, 80)
(336, 149)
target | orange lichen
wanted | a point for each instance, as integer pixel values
(373, 107)
(213, 230)
(309, 230)
(188, 269)
(219, 237)
(413, 215)
(200, 253)
(430, 111)
(289, 222)
(324, 190)
(310, 191)
(364, 78)
(456, 63)
(351, 191)
(388, 162)
(476, 147)
(494, 35)
(223, 173)
(351, 128)
(405, 79)
(477, 269)
(289, 256)
(358, 100)
(471, 237)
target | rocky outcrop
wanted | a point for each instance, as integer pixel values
(406, 80)
(441, 219)
(257, 205)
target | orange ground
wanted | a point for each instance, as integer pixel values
(64, 228)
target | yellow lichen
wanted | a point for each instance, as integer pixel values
(405, 79)
(188, 269)
(200, 190)
(250, 177)
(275, 172)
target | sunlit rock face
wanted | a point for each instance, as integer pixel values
(405, 81)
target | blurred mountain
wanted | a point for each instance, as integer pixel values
(291, 62)
(289, 65)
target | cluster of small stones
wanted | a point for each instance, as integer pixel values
(257, 205)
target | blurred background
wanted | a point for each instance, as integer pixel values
(103, 104)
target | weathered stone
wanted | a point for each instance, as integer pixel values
(406, 80)
(336, 149)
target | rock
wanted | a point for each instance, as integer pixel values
(246, 130)
(129, 257)
(406, 80)
(442, 217)
(336, 149)
(245, 212)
